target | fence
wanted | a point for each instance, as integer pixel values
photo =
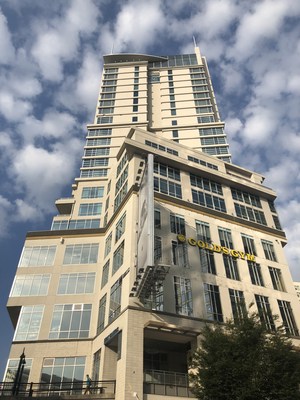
(57, 388)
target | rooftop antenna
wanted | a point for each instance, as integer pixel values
(112, 48)
(194, 40)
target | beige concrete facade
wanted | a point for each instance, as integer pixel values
(81, 303)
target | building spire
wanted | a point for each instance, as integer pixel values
(194, 40)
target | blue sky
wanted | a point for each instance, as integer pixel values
(50, 64)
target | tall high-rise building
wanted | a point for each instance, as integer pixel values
(161, 235)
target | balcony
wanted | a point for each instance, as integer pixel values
(73, 389)
(64, 205)
(167, 383)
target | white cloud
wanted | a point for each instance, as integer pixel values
(233, 126)
(7, 50)
(264, 20)
(136, 27)
(259, 126)
(80, 92)
(54, 124)
(58, 42)
(10, 106)
(6, 209)
(41, 174)
(26, 212)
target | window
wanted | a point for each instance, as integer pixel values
(249, 245)
(157, 219)
(101, 315)
(135, 101)
(115, 300)
(174, 122)
(76, 283)
(211, 131)
(237, 304)
(105, 274)
(255, 273)
(157, 249)
(225, 238)
(167, 187)
(104, 120)
(70, 321)
(37, 256)
(201, 162)
(30, 285)
(288, 319)
(93, 173)
(205, 199)
(173, 111)
(12, 369)
(90, 209)
(165, 170)
(276, 278)
(268, 250)
(264, 311)
(95, 162)
(206, 119)
(29, 323)
(120, 227)
(177, 224)
(231, 267)
(207, 261)
(245, 197)
(134, 119)
(135, 108)
(155, 300)
(108, 242)
(277, 222)
(208, 200)
(213, 302)
(175, 133)
(98, 142)
(81, 253)
(120, 196)
(92, 192)
(212, 141)
(183, 296)
(75, 224)
(108, 110)
(180, 254)
(118, 257)
(161, 147)
(62, 369)
(250, 214)
(102, 131)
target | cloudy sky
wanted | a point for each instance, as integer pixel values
(50, 64)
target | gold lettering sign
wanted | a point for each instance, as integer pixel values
(216, 248)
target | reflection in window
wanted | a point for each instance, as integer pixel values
(213, 302)
(29, 323)
(79, 283)
(37, 256)
(30, 285)
(81, 253)
(183, 296)
(61, 370)
(70, 321)
(12, 368)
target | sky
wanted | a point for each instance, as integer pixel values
(50, 69)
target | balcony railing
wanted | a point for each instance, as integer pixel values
(167, 383)
(108, 388)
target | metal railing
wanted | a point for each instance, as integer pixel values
(58, 388)
(167, 383)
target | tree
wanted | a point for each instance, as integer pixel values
(243, 361)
